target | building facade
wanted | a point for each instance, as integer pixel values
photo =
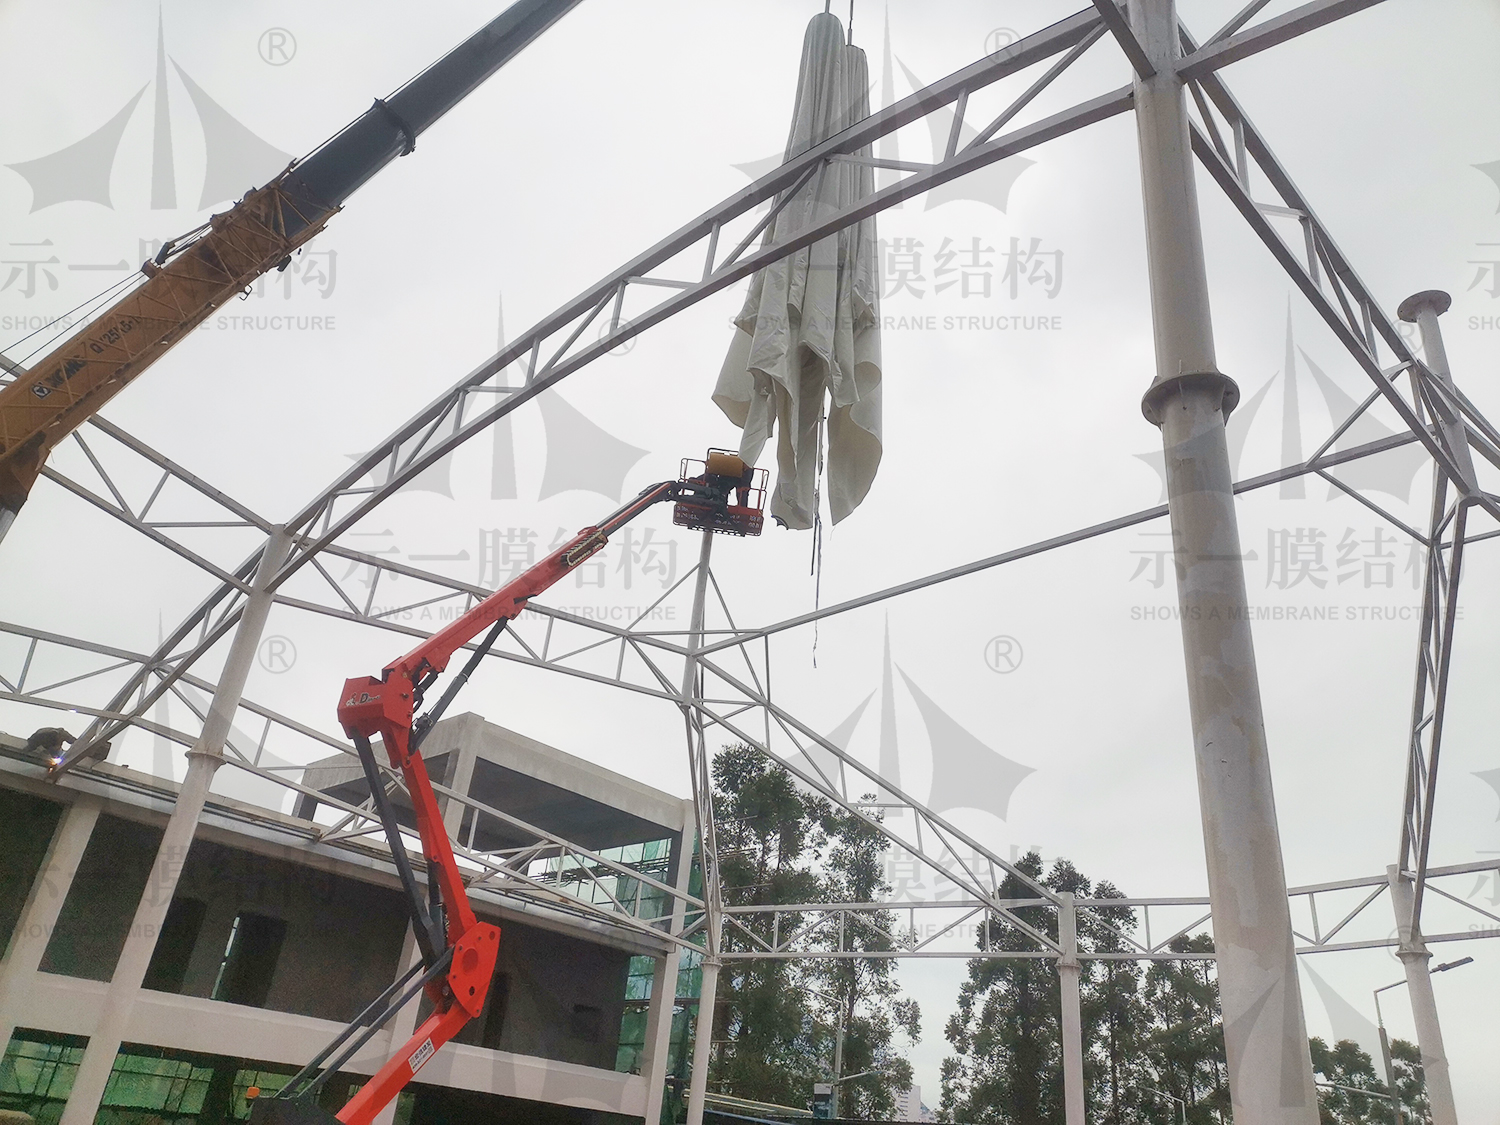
(284, 926)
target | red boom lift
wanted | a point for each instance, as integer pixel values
(720, 493)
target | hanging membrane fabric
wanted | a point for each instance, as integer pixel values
(807, 341)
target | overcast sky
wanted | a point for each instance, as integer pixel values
(1011, 405)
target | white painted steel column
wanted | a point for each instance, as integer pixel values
(1423, 310)
(658, 1049)
(49, 890)
(1270, 1069)
(204, 759)
(703, 1037)
(1414, 957)
(703, 1027)
(1068, 970)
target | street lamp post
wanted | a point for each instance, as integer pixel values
(1385, 1042)
(1181, 1104)
(838, 1051)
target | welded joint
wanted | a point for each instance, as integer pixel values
(1115, 20)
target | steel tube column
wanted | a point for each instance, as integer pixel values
(1414, 959)
(664, 984)
(1068, 970)
(1439, 617)
(703, 1026)
(1423, 310)
(1270, 1069)
(703, 1037)
(204, 759)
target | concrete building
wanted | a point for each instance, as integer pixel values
(283, 927)
(909, 1105)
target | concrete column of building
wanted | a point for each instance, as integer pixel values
(658, 1049)
(1068, 970)
(204, 759)
(49, 890)
(1270, 1069)
(463, 752)
(404, 1022)
(1415, 957)
(703, 1036)
(462, 739)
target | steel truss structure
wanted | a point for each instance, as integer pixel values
(720, 677)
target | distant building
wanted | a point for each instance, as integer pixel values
(909, 1105)
(284, 927)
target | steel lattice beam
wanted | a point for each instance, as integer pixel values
(1438, 415)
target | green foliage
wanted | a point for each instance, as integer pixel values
(1411, 1083)
(1153, 1039)
(776, 1025)
(1346, 1068)
(1008, 1066)
(1184, 1042)
(1006, 1033)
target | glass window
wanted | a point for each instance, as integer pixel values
(36, 1075)
(161, 1085)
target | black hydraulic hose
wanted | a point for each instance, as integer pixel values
(437, 969)
(380, 1005)
(428, 939)
(389, 128)
(424, 724)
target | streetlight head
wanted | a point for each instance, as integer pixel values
(1443, 968)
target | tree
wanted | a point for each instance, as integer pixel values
(1411, 1083)
(1185, 1045)
(1008, 1066)
(1114, 1014)
(861, 995)
(1006, 1033)
(776, 1021)
(1148, 1036)
(1345, 1069)
(769, 833)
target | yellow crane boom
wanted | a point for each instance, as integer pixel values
(187, 281)
(57, 395)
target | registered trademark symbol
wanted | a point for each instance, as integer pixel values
(999, 39)
(1003, 654)
(276, 655)
(277, 46)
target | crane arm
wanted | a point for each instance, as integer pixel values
(191, 278)
(57, 395)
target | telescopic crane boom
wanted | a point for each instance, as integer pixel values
(719, 493)
(193, 276)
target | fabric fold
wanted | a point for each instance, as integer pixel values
(805, 358)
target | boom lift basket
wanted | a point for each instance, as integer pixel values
(743, 489)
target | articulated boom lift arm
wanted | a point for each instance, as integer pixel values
(458, 951)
